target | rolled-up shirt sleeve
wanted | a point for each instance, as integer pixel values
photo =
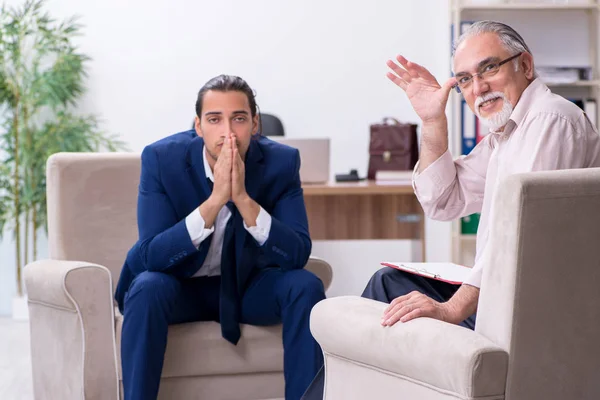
(449, 189)
(431, 183)
(474, 277)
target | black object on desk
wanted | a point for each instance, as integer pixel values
(351, 177)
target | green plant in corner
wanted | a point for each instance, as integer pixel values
(41, 80)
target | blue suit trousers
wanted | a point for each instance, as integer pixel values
(156, 300)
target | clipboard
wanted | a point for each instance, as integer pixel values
(442, 271)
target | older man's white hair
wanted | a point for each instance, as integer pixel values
(510, 39)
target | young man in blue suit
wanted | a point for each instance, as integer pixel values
(223, 236)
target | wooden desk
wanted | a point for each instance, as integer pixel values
(364, 210)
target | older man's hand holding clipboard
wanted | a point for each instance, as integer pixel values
(416, 304)
(446, 272)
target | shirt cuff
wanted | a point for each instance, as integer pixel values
(474, 278)
(261, 231)
(195, 227)
(431, 182)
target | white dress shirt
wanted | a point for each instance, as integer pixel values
(196, 228)
(545, 132)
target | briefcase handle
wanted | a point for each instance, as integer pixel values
(394, 120)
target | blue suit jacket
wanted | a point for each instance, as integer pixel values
(173, 183)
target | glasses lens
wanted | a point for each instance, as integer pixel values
(490, 70)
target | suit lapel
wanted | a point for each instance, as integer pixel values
(195, 170)
(254, 169)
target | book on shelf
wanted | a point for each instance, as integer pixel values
(472, 129)
(564, 74)
(588, 106)
(468, 129)
(469, 224)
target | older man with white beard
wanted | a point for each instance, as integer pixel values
(532, 129)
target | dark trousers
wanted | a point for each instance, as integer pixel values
(156, 300)
(386, 285)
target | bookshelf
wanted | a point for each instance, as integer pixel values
(537, 21)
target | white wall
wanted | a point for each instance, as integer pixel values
(319, 65)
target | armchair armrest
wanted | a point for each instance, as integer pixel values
(72, 330)
(320, 268)
(428, 352)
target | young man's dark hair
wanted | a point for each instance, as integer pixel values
(227, 83)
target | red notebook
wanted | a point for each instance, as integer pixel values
(447, 272)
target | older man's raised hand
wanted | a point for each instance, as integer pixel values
(426, 95)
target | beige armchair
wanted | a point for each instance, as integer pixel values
(538, 322)
(75, 326)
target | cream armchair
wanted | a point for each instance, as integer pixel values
(537, 335)
(75, 326)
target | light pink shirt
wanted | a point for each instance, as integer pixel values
(545, 132)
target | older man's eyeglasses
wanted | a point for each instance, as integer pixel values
(486, 71)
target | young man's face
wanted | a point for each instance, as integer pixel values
(492, 98)
(225, 113)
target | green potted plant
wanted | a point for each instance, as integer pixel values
(41, 79)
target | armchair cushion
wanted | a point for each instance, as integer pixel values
(198, 349)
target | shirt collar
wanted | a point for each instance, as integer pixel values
(207, 170)
(532, 92)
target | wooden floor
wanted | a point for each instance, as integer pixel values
(15, 361)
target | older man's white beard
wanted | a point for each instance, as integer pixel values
(498, 119)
